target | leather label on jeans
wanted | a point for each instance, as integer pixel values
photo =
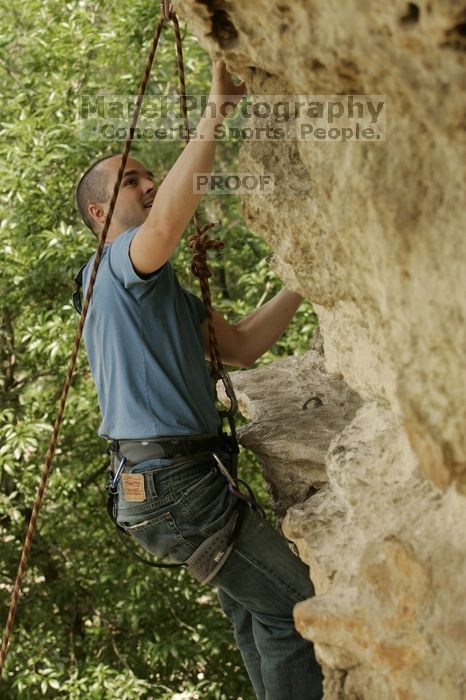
(133, 487)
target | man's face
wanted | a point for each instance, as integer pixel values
(135, 197)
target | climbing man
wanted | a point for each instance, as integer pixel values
(146, 339)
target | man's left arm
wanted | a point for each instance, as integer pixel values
(242, 343)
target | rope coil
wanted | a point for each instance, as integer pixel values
(201, 243)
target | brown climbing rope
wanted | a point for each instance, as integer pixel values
(199, 242)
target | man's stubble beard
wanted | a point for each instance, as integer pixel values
(134, 219)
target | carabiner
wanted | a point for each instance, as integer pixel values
(230, 392)
(224, 470)
(116, 478)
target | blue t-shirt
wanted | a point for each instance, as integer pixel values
(144, 344)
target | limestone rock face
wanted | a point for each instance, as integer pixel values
(373, 234)
(296, 410)
(385, 546)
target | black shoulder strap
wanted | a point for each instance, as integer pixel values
(77, 300)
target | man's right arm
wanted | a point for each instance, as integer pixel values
(175, 201)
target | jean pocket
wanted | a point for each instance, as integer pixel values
(161, 537)
(208, 503)
(192, 482)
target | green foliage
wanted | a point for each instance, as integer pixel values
(93, 622)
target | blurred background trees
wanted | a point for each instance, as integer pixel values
(92, 621)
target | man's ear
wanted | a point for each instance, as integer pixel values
(97, 212)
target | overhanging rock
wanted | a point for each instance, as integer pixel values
(373, 234)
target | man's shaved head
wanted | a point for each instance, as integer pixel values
(94, 186)
(135, 196)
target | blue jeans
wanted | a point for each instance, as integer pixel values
(257, 586)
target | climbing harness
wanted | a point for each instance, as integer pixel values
(200, 243)
(210, 556)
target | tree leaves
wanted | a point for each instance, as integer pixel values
(93, 623)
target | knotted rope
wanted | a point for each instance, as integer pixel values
(201, 246)
(199, 242)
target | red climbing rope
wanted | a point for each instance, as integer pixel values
(200, 244)
(167, 14)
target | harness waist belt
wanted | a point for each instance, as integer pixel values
(167, 447)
